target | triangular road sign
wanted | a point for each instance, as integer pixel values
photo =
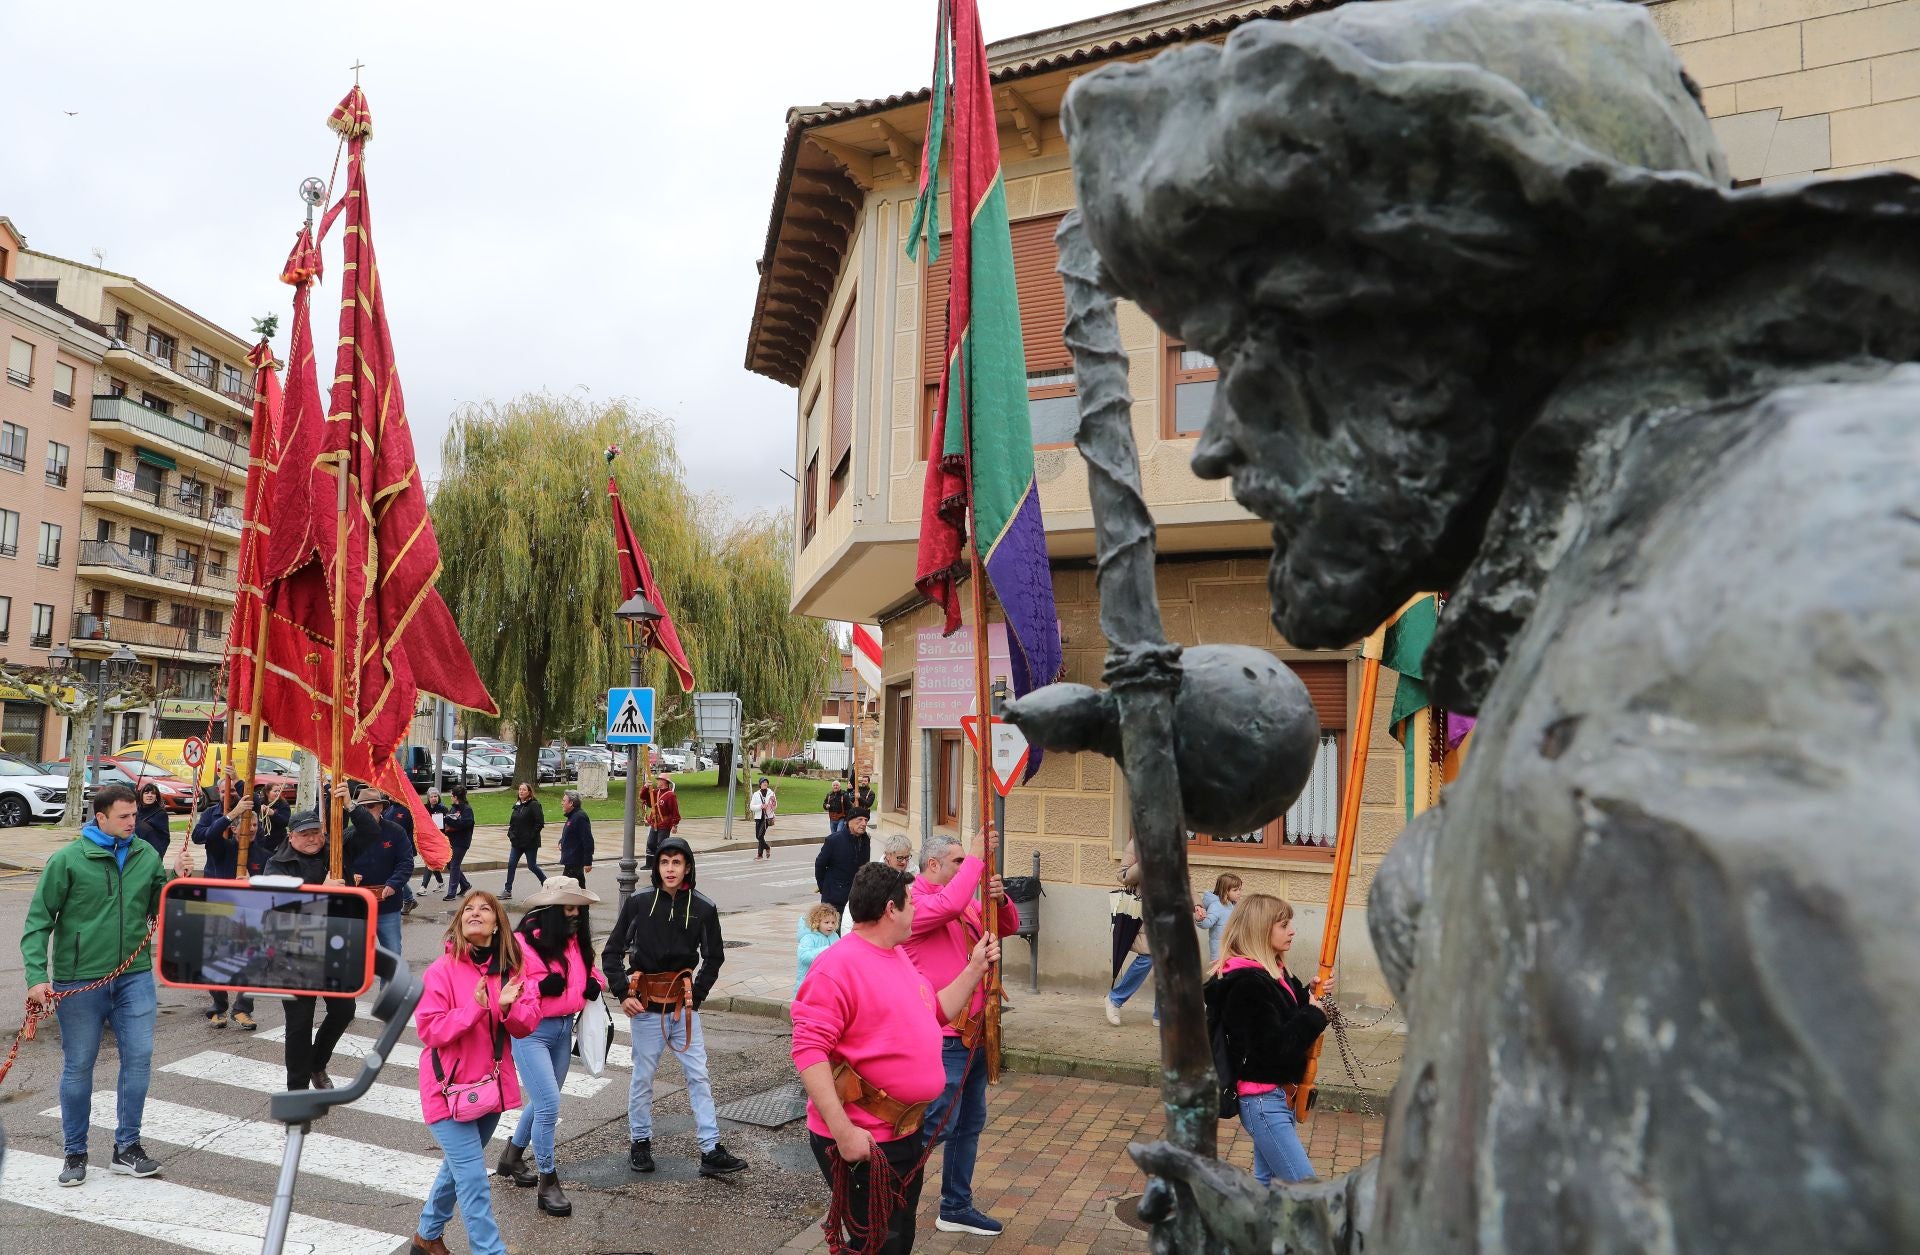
(1008, 761)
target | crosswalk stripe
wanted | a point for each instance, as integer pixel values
(270, 1078)
(196, 1219)
(265, 1142)
(410, 1056)
(752, 873)
(786, 884)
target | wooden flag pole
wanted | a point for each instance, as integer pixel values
(1343, 844)
(250, 822)
(336, 805)
(983, 707)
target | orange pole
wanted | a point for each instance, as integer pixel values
(250, 822)
(336, 806)
(983, 705)
(1342, 859)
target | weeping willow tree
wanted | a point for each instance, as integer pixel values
(530, 571)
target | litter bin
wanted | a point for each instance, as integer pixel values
(1025, 893)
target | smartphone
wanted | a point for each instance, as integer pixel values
(229, 934)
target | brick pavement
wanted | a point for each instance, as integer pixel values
(1053, 1165)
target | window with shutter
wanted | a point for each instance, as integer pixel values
(1043, 320)
(810, 514)
(840, 443)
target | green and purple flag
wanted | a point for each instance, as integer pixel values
(981, 476)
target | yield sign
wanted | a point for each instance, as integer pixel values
(1008, 761)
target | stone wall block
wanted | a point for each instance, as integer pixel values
(1754, 54)
(1876, 133)
(1069, 815)
(1896, 77)
(1685, 21)
(1876, 31)
(1754, 14)
(1023, 812)
(1807, 92)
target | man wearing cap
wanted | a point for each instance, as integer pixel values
(304, 856)
(576, 838)
(661, 960)
(866, 1042)
(946, 927)
(385, 864)
(841, 855)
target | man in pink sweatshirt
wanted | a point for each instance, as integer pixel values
(866, 1042)
(946, 926)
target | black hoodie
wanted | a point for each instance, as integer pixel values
(666, 932)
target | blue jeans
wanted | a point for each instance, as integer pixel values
(128, 1003)
(513, 863)
(961, 1136)
(542, 1058)
(1277, 1152)
(457, 882)
(386, 930)
(1131, 980)
(463, 1177)
(649, 1043)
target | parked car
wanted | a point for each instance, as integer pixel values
(176, 795)
(502, 764)
(27, 794)
(555, 759)
(676, 760)
(475, 774)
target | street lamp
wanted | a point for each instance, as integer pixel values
(642, 618)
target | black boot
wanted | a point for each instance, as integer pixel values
(640, 1155)
(513, 1165)
(552, 1199)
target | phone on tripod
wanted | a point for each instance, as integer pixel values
(239, 935)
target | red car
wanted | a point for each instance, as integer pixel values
(175, 794)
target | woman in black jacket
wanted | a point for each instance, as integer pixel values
(459, 830)
(523, 835)
(152, 824)
(1271, 1021)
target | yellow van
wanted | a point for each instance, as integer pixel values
(167, 754)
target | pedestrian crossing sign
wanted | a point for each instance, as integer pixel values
(630, 716)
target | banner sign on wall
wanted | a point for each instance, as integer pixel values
(943, 673)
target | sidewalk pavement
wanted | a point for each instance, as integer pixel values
(1054, 1168)
(29, 848)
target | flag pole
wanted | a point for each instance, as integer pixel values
(335, 805)
(250, 822)
(1343, 844)
(983, 707)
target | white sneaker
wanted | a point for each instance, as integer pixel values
(1113, 1012)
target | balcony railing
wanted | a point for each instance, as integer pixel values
(57, 474)
(91, 627)
(130, 413)
(173, 498)
(40, 640)
(120, 557)
(235, 388)
(12, 463)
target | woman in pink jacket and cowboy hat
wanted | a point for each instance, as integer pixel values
(471, 1005)
(561, 978)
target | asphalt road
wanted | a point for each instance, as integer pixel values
(366, 1167)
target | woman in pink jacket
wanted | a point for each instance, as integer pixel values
(555, 937)
(472, 1003)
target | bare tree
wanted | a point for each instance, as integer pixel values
(70, 693)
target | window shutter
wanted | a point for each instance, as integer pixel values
(1043, 300)
(843, 387)
(1327, 684)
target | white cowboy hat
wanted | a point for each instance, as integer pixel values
(561, 891)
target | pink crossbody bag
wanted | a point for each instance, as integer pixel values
(468, 1101)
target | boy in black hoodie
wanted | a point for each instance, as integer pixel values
(661, 960)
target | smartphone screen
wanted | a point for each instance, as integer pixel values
(228, 935)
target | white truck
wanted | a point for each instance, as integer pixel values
(832, 746)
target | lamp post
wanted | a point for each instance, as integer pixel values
(640, 617)
(113, 671)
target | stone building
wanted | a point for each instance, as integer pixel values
(844, 317)
(160, 467)
(52, 354)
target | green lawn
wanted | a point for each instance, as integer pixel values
(700, 795)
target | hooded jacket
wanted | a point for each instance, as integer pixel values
(666, 932)
(459, 1032)
(94, 898)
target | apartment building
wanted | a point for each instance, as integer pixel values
(52, 355)
(858, 330)
(161, 477)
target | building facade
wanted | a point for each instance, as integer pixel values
(52, 357)
(858, 330)
(160, 477)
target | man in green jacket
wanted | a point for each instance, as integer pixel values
(93, 902)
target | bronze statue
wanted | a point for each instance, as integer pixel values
(1489, 320)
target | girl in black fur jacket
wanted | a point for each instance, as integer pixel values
(1271, 1021)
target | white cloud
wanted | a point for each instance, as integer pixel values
(565, 195)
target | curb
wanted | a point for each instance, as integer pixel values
(1052, 1063)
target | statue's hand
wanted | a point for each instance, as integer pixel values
(1309, 1217)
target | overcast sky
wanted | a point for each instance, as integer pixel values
(564, 196)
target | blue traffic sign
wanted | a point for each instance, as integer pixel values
(629, 716)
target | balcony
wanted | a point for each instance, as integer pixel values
(101, 631)
(154, 498)
(151, 569)
(228, 455)
(152, 358)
